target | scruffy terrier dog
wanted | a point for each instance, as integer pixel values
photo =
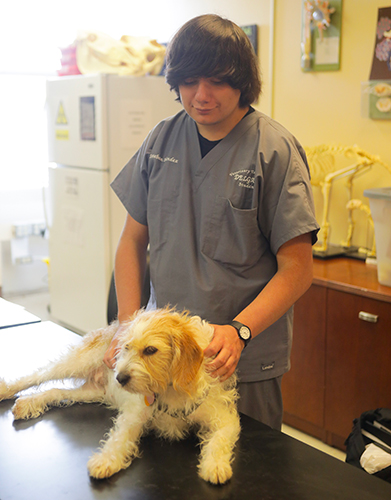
(160, 383)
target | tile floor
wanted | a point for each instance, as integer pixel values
(39, 303)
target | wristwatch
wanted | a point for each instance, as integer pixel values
(244, 331)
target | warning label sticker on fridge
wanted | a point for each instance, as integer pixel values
(61, 130)
(62, 134)
(61, 116)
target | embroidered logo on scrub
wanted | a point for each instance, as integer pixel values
(245, 178)
(167, 158)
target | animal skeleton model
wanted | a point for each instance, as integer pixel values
(324, 171)
(359, 205)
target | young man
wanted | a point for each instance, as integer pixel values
(222, 195)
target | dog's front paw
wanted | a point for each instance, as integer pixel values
(215, 472)
(100, 466)
(25, 408)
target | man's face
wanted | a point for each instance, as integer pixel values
(213, 105)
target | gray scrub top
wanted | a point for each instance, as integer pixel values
(216, 223)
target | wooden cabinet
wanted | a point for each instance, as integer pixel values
(341, 360)
(304, 385)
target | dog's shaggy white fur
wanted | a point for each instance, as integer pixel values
(160, 359)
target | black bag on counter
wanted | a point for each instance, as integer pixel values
(371, 427)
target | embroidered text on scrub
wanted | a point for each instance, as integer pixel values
(245, 178)
(157, 157)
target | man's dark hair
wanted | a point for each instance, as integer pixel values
(209, 46)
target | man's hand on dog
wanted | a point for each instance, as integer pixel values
(228, 347)
(110, 355)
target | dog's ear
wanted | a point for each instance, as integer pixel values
(188, 357)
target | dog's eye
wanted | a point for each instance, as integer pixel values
(148, 351)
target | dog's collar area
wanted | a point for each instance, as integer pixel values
(179, 413)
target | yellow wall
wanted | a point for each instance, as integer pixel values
(325, 107)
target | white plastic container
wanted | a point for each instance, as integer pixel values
(380, 204)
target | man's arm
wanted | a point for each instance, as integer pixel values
(293, 277)
(129, 271)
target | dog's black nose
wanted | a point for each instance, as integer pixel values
(123, 378)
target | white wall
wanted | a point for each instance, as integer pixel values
(153, 18)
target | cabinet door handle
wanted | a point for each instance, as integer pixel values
(371, 318)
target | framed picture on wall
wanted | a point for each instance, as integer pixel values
(381, 63)
(321, 35)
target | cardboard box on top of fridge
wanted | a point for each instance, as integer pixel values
(380, 204)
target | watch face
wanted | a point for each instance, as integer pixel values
(244, 332)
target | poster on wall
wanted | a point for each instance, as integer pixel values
(376, 99)
(251, 31)
(381, 63)
(321, 35)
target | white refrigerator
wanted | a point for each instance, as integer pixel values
(95, 125)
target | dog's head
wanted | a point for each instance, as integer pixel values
(160, 348)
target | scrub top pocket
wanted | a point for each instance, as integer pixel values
(233, 236)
